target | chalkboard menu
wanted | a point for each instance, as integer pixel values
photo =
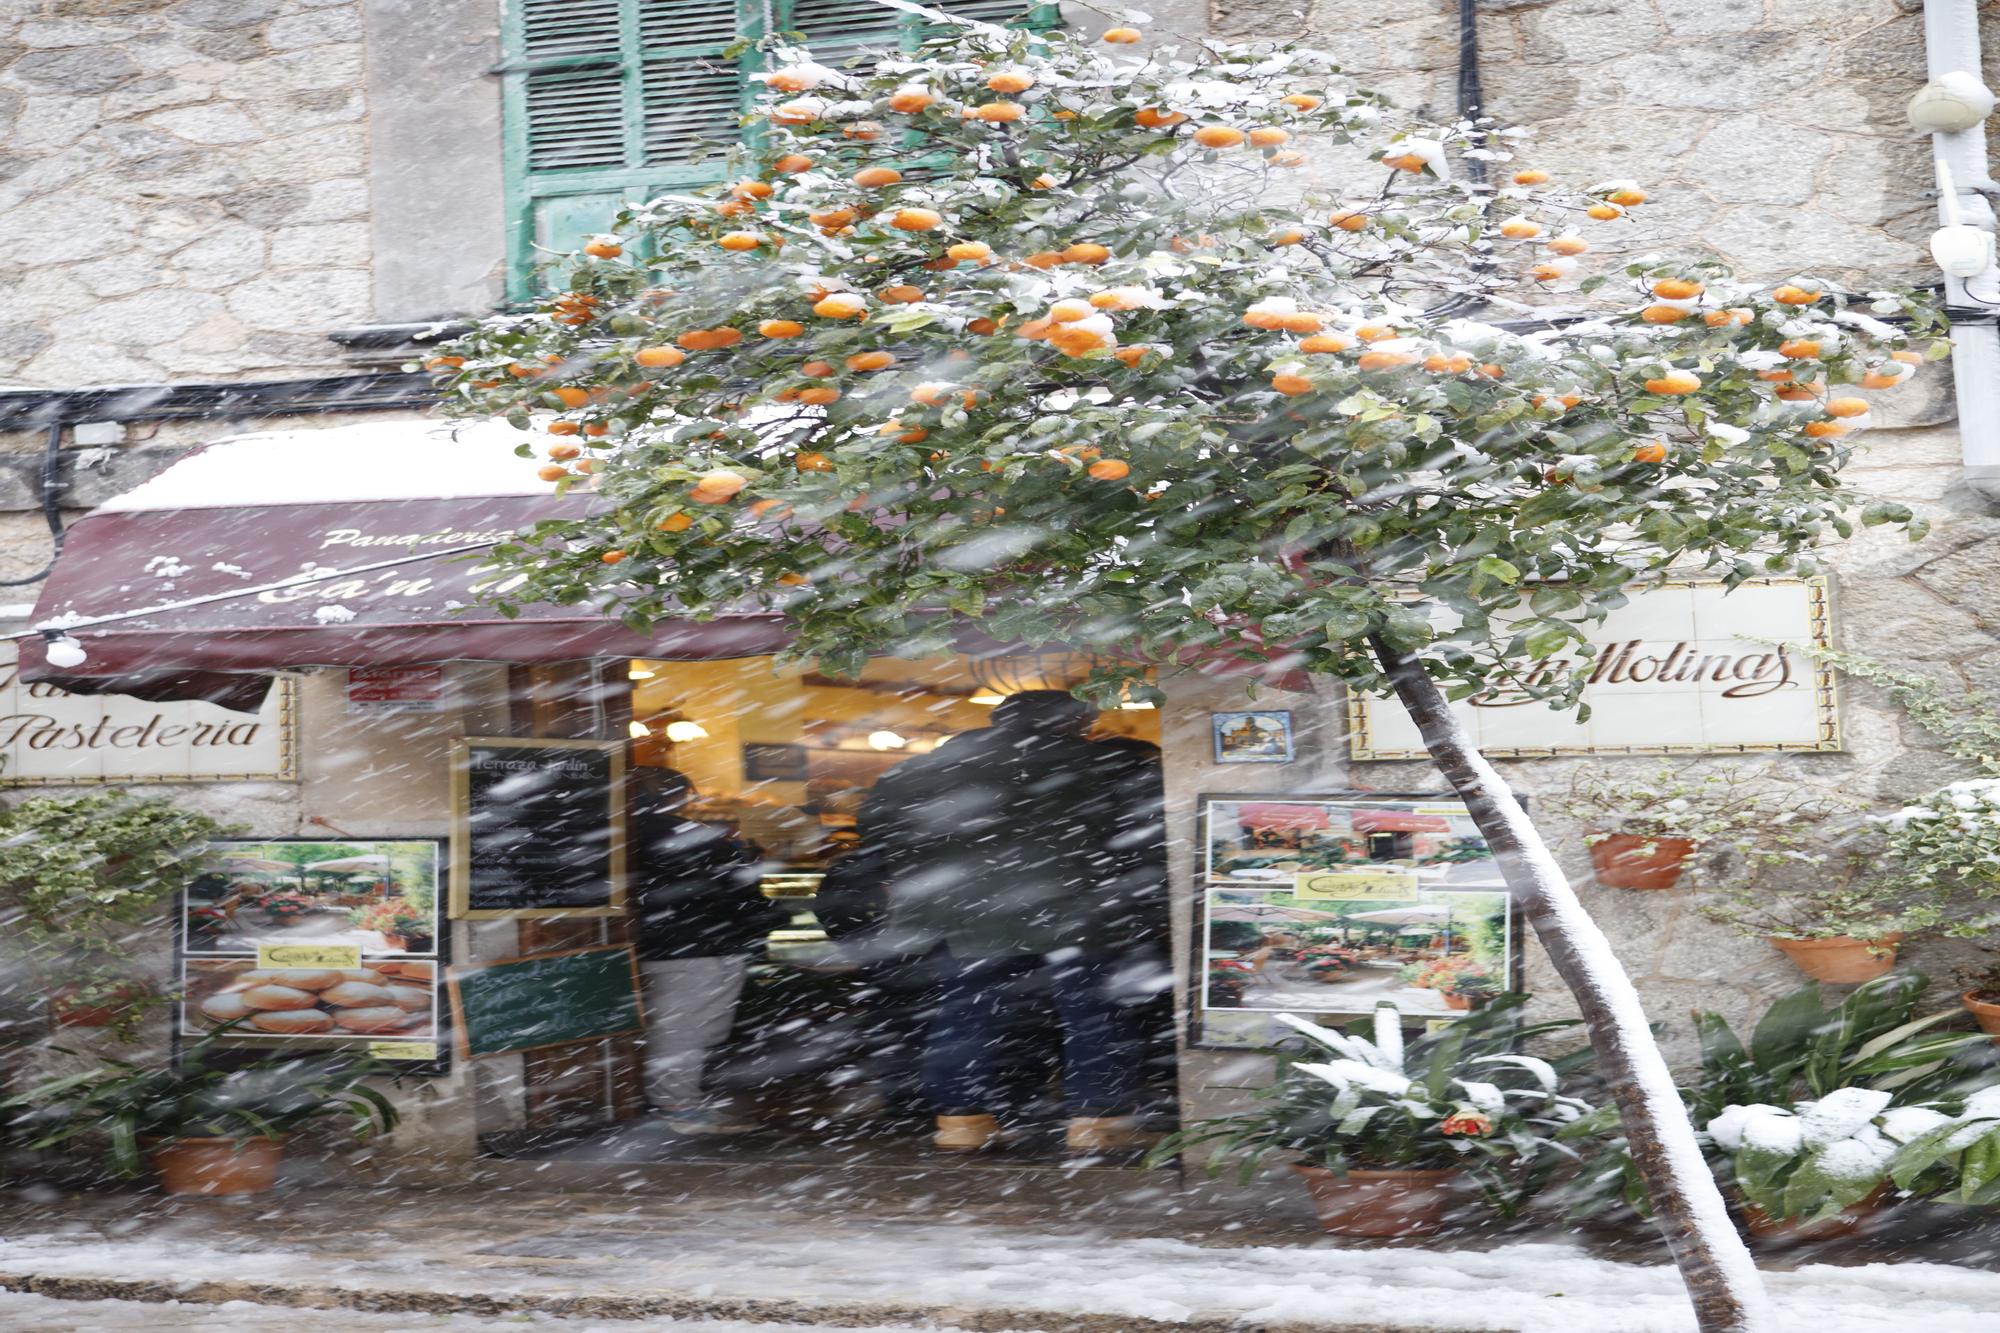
(539, 828)
(527, 1003)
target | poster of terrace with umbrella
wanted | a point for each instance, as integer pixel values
(1330, 905)
(379, 896)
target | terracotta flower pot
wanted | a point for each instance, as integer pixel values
(1629, 861)
(217, 1166)
(1987, 1012)
(1785, 1231)
(1841, 960)
(69, 1012)
(1381, 1203)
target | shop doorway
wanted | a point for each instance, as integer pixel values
(819, 1061)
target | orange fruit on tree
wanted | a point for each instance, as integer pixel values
(1775, 375)
(1371, 333)
(1035, 329)
(982, 326)
(1119, 298)
(598, 428)
(777, 509)
(1626, 196)
(1799, 393)
(819, 395)
(562, 428)
(1218, 136)
(1520, 229)
(1157, 118)
(832, 217)
(676, 522)
(1876, 379)
(1547, 272)
(1447, 364)
(1565, 401)
(565, 451)
(791, 164)
(862, 131)
(736, 208)
(1652, 451)
(552, 472)
(1291, 385)
(873, 178)
(792, 80)
(1826, 430)
(1907, 357)
(969, 251)
(816, 370)
(1010, 81)
(840, 305)
(1288, 236)
(1664, 314)
(656, 357)
(910, 101)
(864, 362)
(740, 240)
(1290, 157)
(780, 328)
(612, 557)
(1268, 136)
(901, 294)
(1531, 176)
(1604, 212)
(1492, 370)
(1567, 245)
(1674, 383)
(999, 113)
(1122, 36)
(930, 394)
(1791, 294)
(1799, 349)
(1326, 342)
(1069, 311)
(1411, 162)
(915, 219)
(752, 189)
(604, 248)
(1717, 319)
(1130, 356)
(1677, 289)
(1044, 259)
(813, 462)
(1110, 469)
(793, 579)
(1349, 220)
(1301, 321)
(1085, 252)
(1300, 101)
(1846, 407)
(571, 396)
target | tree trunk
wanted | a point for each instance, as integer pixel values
(1721, 1279)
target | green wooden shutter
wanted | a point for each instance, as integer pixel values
(608, 102)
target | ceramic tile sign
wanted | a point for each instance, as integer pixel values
(1684, 668)
(49, 737)
(412, 689)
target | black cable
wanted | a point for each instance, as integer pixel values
(51, 506)
(1471, 97)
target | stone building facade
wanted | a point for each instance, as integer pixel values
(212, 190)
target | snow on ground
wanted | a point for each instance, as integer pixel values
(24, 1313)
(1533, 1288)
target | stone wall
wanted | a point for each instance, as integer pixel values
(185, 190)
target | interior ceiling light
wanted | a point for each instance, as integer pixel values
(638, 672)
(684, 730)
(987, 699)
(885, 740)
(638, 731)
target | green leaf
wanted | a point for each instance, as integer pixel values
(1783, 1036)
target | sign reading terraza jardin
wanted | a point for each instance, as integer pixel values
(1681, 668)
(49, 737)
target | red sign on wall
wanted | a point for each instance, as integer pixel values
(412, 689)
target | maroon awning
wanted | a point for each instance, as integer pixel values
(161, 546)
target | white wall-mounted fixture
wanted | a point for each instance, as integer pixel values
(1955, 100)
(1962, 251)
(63, 651)
(684, 730)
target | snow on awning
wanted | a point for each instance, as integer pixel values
(298, 508)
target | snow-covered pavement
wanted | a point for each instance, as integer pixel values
(607, 1268)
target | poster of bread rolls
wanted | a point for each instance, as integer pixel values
(395, 999)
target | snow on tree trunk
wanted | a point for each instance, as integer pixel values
(1722, 1280)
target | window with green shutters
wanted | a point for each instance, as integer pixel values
(609, 101)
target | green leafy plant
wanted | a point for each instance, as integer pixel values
(1801, 1052)
(80, 874)
(1956, 1157)
(1809, 1161)
(127, 1104)
(1752, 817)
(1463, 1098)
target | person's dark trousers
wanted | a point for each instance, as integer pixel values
(1103, 1044)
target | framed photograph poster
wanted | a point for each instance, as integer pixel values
(1326, 906)
(322, 943)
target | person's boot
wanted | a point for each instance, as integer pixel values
(1092, 1135)
(966, 1133)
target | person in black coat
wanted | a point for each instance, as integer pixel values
(700, 920)
(1021, 853)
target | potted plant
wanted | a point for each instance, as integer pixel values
(207, 1130)
(1466, 983)
(1952, 1159)
(282, 909)
(1981, 997)
(1641, 831)
(1325, 962)
(401, 928)
(1843, 929)
(1227, 980)
(1867, 1073)
(1390, 1137)
(80, 878)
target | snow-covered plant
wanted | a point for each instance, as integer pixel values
(1755, 817)
(1810, 1160)
(1804, 1051)
(1464, 1098)
(1956, 1156)
(1946, 854)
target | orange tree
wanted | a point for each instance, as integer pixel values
(1171, 359)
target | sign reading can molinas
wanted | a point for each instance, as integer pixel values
(1683, 667)
(49, 737)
